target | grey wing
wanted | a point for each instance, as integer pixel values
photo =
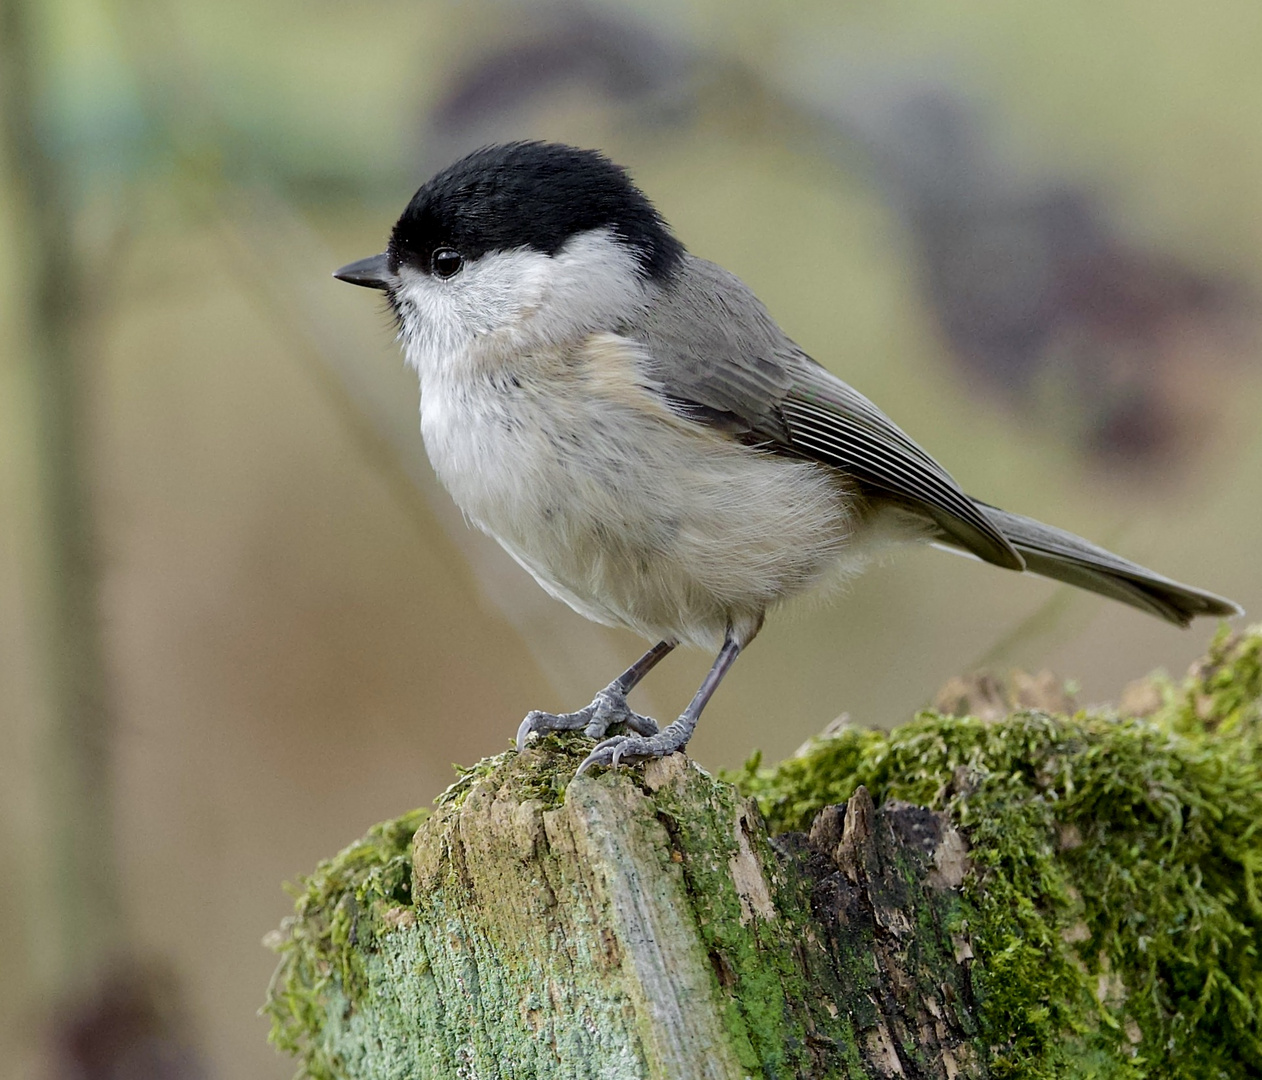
(722, 360)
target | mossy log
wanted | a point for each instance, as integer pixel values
(1030, 894)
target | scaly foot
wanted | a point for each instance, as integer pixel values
(632, 749)
(609, 708)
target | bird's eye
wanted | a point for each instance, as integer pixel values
(446, 262)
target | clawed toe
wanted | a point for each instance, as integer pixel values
(633, 749)
(595, 720)
(641, 725)
(612, 752)
(610, 708)
(538, 722)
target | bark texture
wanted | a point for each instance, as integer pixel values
(648, 926)
(1030, 895)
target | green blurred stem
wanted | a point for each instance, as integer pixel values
(81, 913)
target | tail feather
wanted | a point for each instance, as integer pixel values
(1062, 556)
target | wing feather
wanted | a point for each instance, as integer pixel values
(716, 351)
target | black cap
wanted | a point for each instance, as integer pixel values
(529, 194)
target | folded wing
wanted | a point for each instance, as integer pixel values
(722, 360)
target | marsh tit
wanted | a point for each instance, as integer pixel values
(630, 423)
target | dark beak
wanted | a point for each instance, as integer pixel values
(371, 273)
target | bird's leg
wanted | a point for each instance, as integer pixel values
(642, 747)
(609, 707)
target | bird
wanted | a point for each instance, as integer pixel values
(630, 423)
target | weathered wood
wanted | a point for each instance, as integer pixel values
(644, 923)
(648, 927)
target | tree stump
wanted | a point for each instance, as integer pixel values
(649, 922)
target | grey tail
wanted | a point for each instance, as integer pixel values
(1062, 556)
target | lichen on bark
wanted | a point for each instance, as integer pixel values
(1031, 895)
(1115, 866)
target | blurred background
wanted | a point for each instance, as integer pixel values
(239, 621)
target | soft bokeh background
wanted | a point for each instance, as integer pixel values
(239, 622)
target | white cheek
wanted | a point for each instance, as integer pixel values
(431, 325)
(493, 296)
(593, 283)
(513, 301)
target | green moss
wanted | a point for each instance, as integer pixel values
(1113, 909)
(759, 984)
(339, 912)
(1114, 904)
(554, 761)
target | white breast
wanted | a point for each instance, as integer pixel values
(631, 514)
